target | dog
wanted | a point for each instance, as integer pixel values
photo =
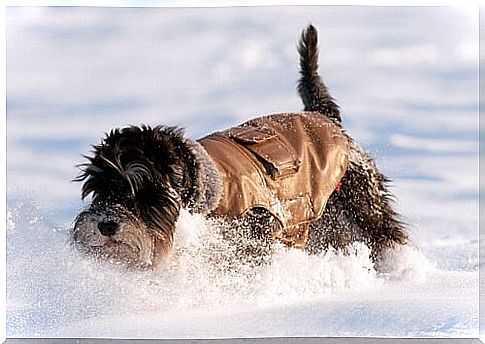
(293, 178)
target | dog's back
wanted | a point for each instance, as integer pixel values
(311, 88)
(288, 164)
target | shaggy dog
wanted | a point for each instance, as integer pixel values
(295, 178)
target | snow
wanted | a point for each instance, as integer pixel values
(408, 89)
(455, 146)
(54, 292)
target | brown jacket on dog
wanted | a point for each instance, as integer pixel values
(288, 164)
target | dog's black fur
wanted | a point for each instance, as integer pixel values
(135, 167)
(143, 176)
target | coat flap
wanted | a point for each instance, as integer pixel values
(278, 158)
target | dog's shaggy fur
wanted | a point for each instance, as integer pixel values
(140, 178)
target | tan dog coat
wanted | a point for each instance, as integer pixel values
(288, 164)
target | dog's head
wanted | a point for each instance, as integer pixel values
(139, 178)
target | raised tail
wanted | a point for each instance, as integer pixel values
(311, 88)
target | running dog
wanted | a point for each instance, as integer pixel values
(296, 178)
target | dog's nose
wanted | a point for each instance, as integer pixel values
(108, 228)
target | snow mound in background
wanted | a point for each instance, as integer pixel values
(52, 291)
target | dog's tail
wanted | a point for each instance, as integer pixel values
(311, 88)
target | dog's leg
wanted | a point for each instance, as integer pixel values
(360, 211)
(370, 203)
(336, 228)
(250, 236)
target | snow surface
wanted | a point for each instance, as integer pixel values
(408, 88)
(54, 292)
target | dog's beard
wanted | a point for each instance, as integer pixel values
(133, 244)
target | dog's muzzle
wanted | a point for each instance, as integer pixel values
(113, 235)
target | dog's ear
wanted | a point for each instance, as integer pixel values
(92, 173)
(177, 174)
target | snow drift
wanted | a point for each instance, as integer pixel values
(52, 291)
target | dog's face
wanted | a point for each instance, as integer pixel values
(137, 178)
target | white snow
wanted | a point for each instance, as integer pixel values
(453, 146)
(54, 292)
